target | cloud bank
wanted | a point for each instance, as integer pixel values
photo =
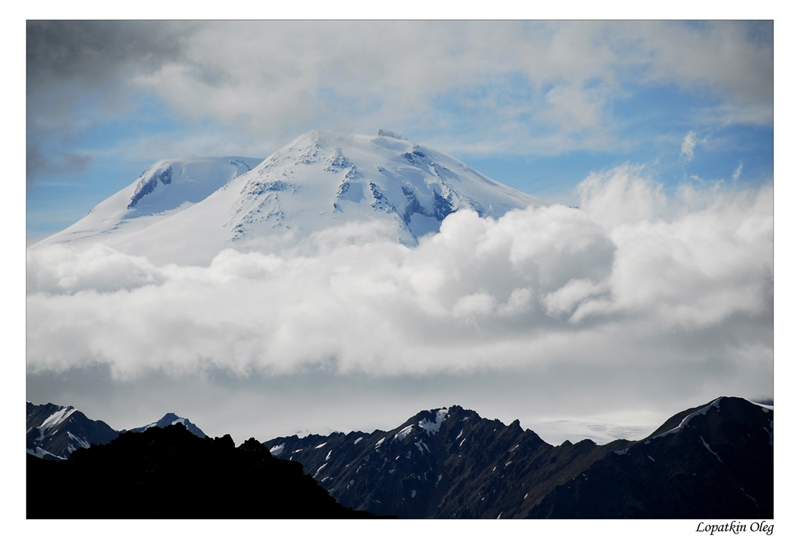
(633, 281)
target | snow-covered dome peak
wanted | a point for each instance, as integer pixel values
(188, 210)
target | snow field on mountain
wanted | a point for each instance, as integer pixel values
(547, 285)
(54, 420)
(163, 190)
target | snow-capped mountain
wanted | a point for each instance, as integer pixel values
(189, 210)
(714, 461)
(172, 419)
(55, 432)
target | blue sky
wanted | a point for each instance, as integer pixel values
(536, 105)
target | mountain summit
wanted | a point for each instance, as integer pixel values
(189, 210)
(172, 419)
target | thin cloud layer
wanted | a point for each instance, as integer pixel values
(633, 281)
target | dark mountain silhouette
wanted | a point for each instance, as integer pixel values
(171, 473)
(714, 461)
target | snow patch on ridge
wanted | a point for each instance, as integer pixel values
(53, 420)
(700, 412)
(432, 427)
(81, 443)
(404, 432)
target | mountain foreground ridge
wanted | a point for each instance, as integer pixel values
(188, 210)
(171, 473)
(713, 461)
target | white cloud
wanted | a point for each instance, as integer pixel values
(688, 145)
(630, 280)
(737, 172)
(621, 196)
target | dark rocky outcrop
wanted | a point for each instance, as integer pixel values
(171, 473)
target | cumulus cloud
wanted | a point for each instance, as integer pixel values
(632, 281)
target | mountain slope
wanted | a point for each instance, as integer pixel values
(171, 473)
(163, 190)
(711, 462)
(381, 184)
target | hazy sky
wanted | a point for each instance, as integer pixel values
(657, 295)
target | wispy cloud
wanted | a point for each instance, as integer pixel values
(688, 145)
(737, 172)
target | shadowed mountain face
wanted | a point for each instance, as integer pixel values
(171, 473)
(714, 461)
